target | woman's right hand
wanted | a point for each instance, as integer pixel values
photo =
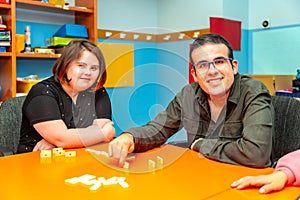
(108, 131)
(43, 145)
(267, 183)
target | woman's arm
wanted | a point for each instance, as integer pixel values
(290, 164)
(56, 133)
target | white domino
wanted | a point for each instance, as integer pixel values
(46, 154)
(95, 184)
(151, 164)
(70, 154)
(160, 162)
(126, 165)
(122, 182)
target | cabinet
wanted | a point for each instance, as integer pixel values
(84, 13)
(275, 82)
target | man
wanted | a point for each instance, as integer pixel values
(228, 117)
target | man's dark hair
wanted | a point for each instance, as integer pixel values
(212, 39)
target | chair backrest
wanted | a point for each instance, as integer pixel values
(287, 126)
(10, 124)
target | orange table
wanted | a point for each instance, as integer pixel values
(185, 175)
(250, 194)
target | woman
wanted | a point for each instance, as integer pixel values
(72, 108)
(287, 172)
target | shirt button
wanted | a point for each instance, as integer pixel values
(62, 115)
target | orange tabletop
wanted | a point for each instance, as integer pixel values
(184, 174)
(287, 193)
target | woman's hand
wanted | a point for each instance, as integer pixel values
(43, 145)
(267, 183)
(109, 131)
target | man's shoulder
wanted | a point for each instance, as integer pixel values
(249, 80)
(190, 88)
(252, 84)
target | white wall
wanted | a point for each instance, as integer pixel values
(279, 12)
(127, 15)
(167, 15)
(182, 15)
(275, 50)
(236, 10)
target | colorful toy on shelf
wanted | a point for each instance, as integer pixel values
(296, 82)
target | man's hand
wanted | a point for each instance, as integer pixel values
(120, 147)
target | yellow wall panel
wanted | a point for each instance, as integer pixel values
(119, 59)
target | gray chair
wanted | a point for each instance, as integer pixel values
(10, 124)
(287, 126)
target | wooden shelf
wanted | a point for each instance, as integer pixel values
(84, 13)
(5, 54)
(53, 6)
(2, 5)
(32, 55)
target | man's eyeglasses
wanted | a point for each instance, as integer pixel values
(219, 63)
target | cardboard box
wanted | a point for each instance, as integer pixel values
(72, 30)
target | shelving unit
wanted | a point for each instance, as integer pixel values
(84, 13)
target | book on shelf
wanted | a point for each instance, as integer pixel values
(4, 43)
(4, 35)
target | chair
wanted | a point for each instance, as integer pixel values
(10, 124)
(286, 136)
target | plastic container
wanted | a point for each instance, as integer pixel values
(24, 86)
(28, 39)
(59, 41)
